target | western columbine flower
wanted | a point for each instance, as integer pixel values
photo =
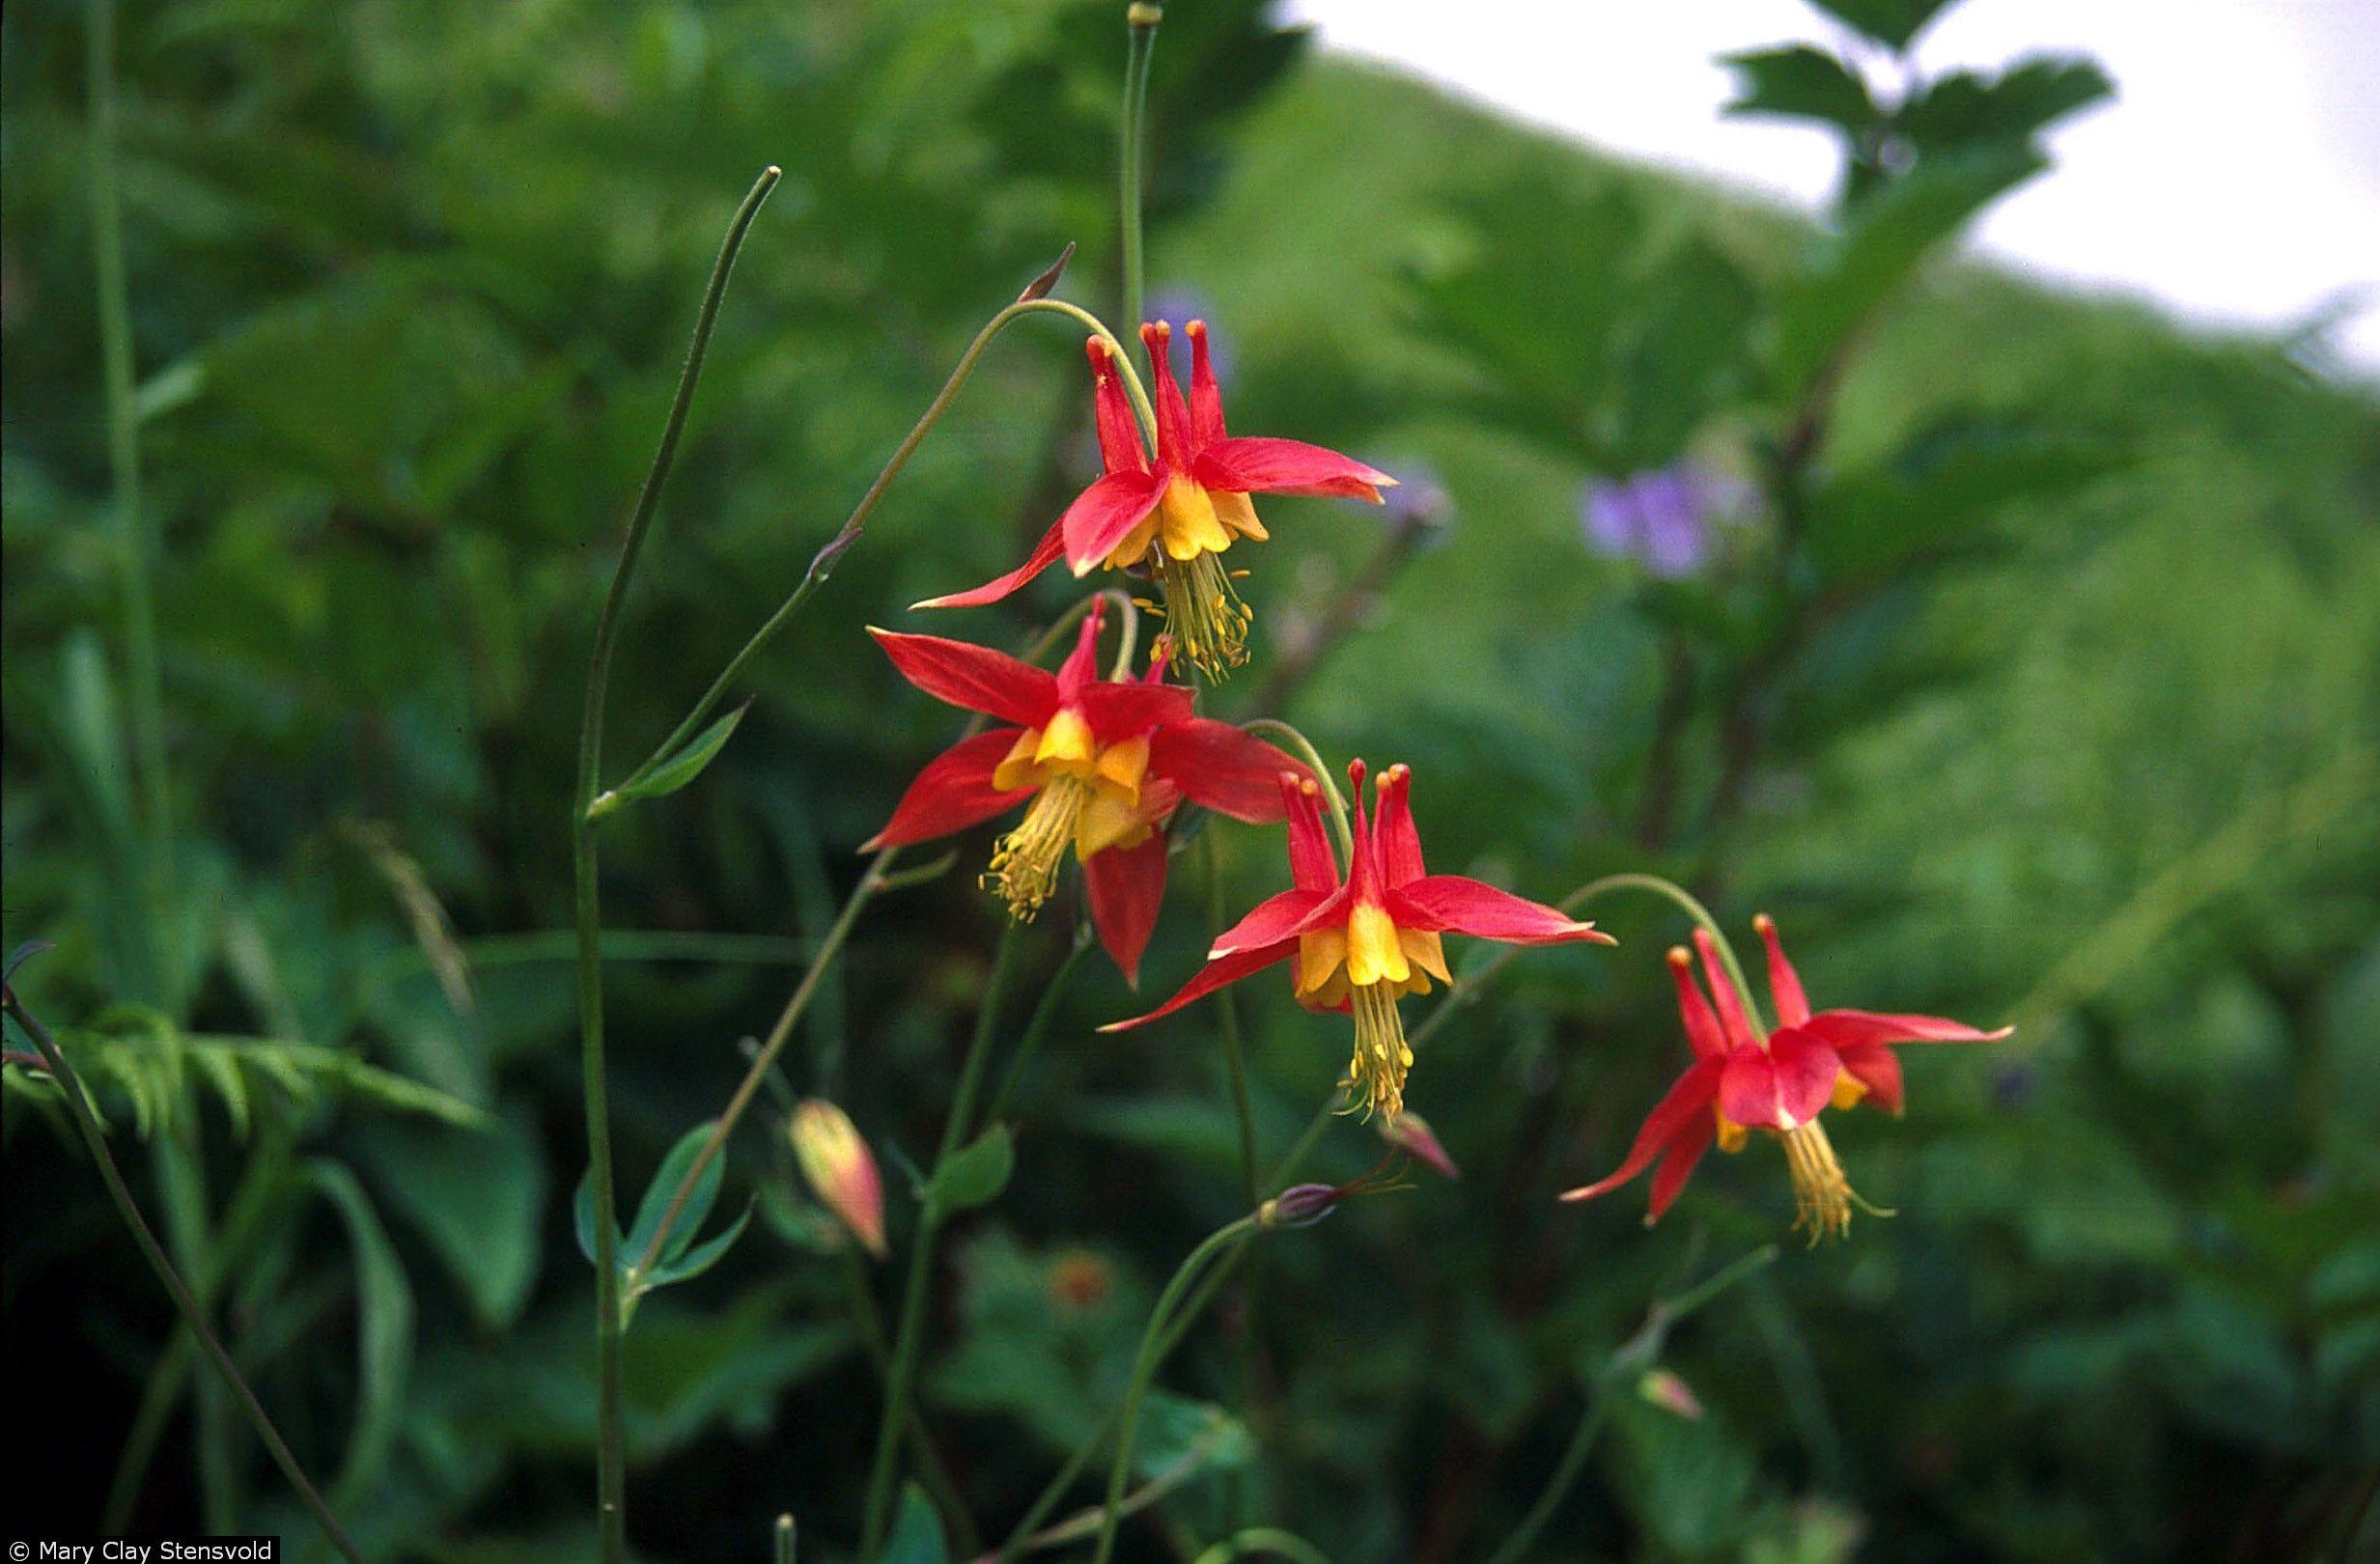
(1363, 941)
(1104, 763)
(836, 1165)
(1741, 1082)
(1179, 514)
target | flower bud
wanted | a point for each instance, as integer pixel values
(1411, 1133)
(1301, 1204)
(1672, 1394)
(839, 1170)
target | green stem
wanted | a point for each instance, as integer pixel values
(1312, 757)
(135, 546)
(903, 1373)
(930, 1463)
(612, 1463)
(1634, 1355)
(1144, 1368)
(1045, 1010)
(828, 947)
(823, 563)
(1175, 1328)
(1234, 1052)
(86, 1125)
(1141, 22)
(1467, 989)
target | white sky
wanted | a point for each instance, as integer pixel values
(2235, 178)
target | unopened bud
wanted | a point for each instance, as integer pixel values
(1672, 1394)
(1301, 1204)
(839, 1170)
(1411, 1133)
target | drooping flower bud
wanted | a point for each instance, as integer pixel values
(1665, 1390)
(1301, 1204)
(1411, 1133)
(840, 1170)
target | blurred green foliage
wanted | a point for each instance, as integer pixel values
(2038, 688)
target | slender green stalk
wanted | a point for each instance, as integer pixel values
(86, 1125)
(1141, 22)
(870, 1323)
(1086, 1522)
(871, 880)
(823, 563)
(782, 1540)
(1144, 1368)
(1234, 1052)
(1312, 757)
(906, 1340)
(1045, 1010)
(136, 548)
(1632, 1356)
(1467, 990)
(612, 1463)
(1176, 1327)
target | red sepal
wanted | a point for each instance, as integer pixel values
(1211, 977)
(1669, 1119)
(1044, 556)
(1126, 886)
(952, 792)
(1268, 465)
(1783, 1086)
(1455, 904)
(1223, 768)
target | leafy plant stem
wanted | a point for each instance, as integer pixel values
(902, 1375)
(1045, 1010)
(870, 1321)
(611, 1463)
(1227, 1237)
(1637, 1353)
(87, 1125)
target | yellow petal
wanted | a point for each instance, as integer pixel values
(1238, 513)
(1427, 952)
(1065, 741)
(1373, 951)
(1125, 763)
(1016, 769)
(1107, 822)
(1318, 956)
(1731, 1135)
(1191, 525)
(1848, 1090)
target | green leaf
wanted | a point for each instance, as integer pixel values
(1886, 239)
(476, 1197)
(1893, 24)
(1966, 108)
(975, 1175)
(663, 1188)
(916, 1532)
(385, 1350)
(678, 770)
(1802, 83)
(702, 1257)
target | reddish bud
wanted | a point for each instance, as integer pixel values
(1672, 1394)
(1411, 1133)
(1301, 1204)
(840, 1170)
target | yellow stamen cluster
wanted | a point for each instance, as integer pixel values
(1205, 619)
(1367, 965)
(1822, 1194)
(1089, 795)
(1182, 542)
(1382, 1056)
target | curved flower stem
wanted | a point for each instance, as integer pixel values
(1227, 1237)
(1141, 22)
(1467, 990)
(1312, 757)
(87, 1125)
(1264, 1540)
(1128, 642)
(1635, 1355)
(824, 562)
(612, 1463)
(902, 1372)
(1235, 1054)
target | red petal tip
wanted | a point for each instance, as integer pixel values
(1356, 771)
(1594, 936)
(1680, 958)
(1154, 332)
(1763, 924)
(1096, 349)
(1196, 329)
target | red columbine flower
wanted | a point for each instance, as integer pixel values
(1780, 1083)
(1363, 941)
(1104, 762)
(1180, 512)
